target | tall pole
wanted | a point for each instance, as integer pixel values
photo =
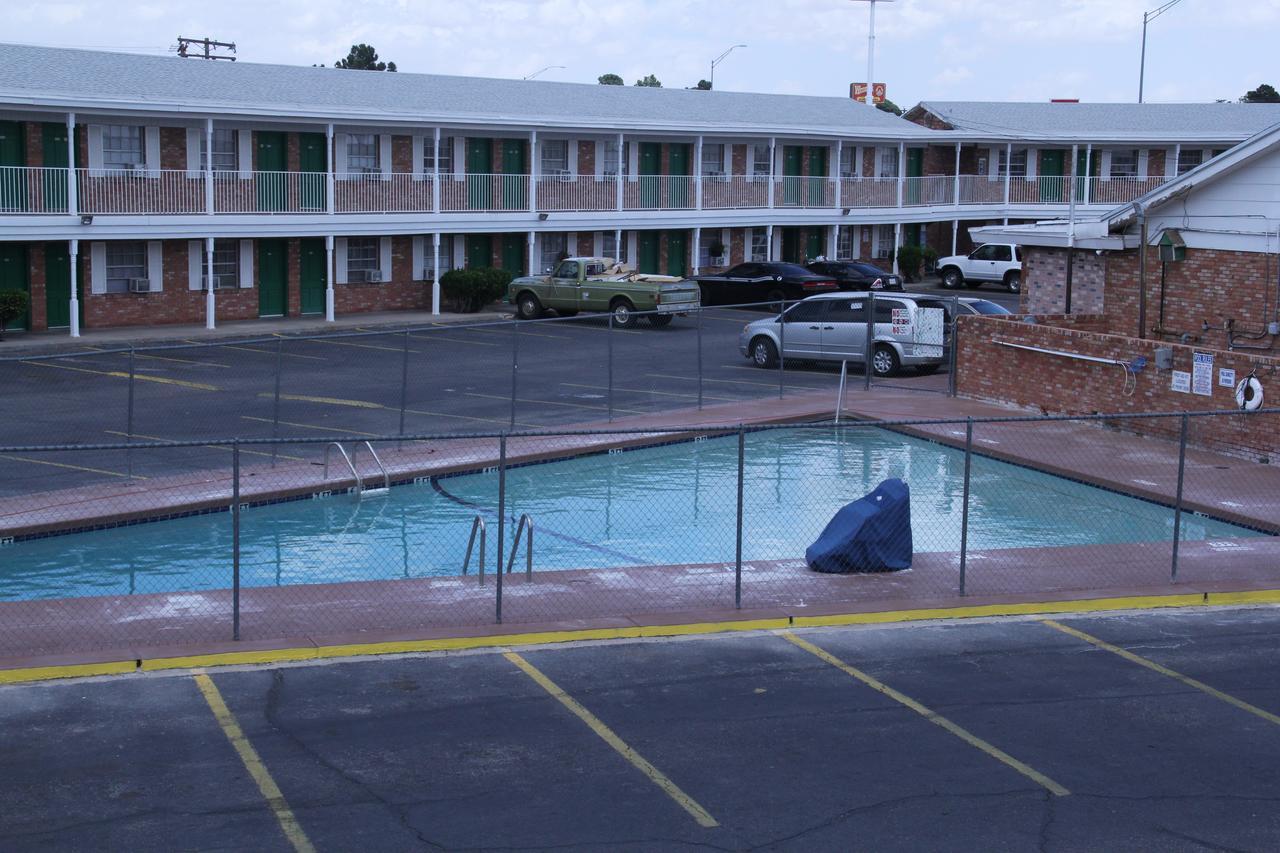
(871, 55)
(1142, 64)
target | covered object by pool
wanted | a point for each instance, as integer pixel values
(872, 534)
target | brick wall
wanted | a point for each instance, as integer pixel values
(924, 118)
(402, 154)
(37, 318)
(1044, 281)
(586, 157)
(398, 294)
(1059, 385)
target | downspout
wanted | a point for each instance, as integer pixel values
(1141, 213)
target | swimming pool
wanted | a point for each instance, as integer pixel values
(671, 504)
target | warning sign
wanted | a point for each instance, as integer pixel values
(901, 321)
(1202, 374)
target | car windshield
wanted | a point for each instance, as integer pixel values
(865, 269)
(788, 269)
(984, 306)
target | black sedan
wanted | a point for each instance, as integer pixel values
(855, 275)
(766, 281)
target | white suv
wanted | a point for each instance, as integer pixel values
(999, 262)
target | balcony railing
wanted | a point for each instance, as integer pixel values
(141, 191)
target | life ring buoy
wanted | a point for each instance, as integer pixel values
(1249, 393)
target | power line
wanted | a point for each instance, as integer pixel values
(207, 46)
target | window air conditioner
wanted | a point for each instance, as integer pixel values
(220, 282)
(564, 176)
(139, 285)
(373, 275)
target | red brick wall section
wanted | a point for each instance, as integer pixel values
(586, 157)
(927, 119)
(737, 246)
(399, 294)
(738, 159)
(173, 148)
(1044, 281)
(38, 319)
(33, 140)
(293, 278)
(1059, 385)
(402, 154)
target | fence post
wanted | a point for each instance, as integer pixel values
(609, 340)
(737, 569)
(404, 383)
(1177, 505)
(844, 377)
(502, 515)
(952, 356)
(699, 357)
(235, 539)
(964, 510)
(782, 347)
(869, 346)
(275, 411)
(515, 367)
(128, 430)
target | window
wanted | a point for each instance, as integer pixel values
(713, 160)
(1015, 166)
(807, 312)
(615, 160)
(224, 150)
(552, 246)
(1124, 164)
(446, 255)
(760, 165)
(122, 147)
(983, 167)
(446, 158)
(567, 269)
(705, 258)
(846, 312)
(844, 243)
(362, 152)
(1189, 158)
(226, 264)
(984, 253)
(555, 157)
(887, 163)
(849, 163)
(125, 261)
(884, 235)
(1001, 253)
(759, 245)
(362, 258)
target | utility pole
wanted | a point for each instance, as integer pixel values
(1147, 17)
(718, 60)
(871, 49)
(206, 46)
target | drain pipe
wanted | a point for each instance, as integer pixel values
(1142, 269)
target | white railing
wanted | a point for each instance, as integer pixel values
(1120, 190)
(735, 191)
(804, 192)
(928, 190)
(140, 191)
(659, 192)
(32, 189)
(270, 192)
(981, 189)
(1045, 189)
(374, 192)
(868, 192)
(485, 193)
(577, 192)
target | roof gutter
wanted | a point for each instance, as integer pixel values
(1140, 211)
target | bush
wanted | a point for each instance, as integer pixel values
(13, 304)
(470, 290)
(909, 258)
(930, 259)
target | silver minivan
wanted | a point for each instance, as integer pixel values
(833, 327)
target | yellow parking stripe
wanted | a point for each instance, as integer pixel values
(365, 404)
(264, 351)
(932, 716)
(433, 338)
(648, 391)
(166, 358)
(524, 332)
(225, 447)
(773, 385)
(554, 403)
(350, 344)
(331, 401)
(1164, 670)
(619, 745)
(253, 763)
(120, 374)
(66, 465)
(310, 426)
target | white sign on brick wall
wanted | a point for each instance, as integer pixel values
(1181, 382)
(1226, 377)
(1202, 374)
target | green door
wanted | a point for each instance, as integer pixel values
(479, 251)
(812, 245)
(272, 194)
(513, 253)
(13, 276)
(817, 169)
(792, 157)
(273, 274)
(53, 152)
(650, 170)
(915, 169)
(57, 286)
(313, 275)
(791, 245)
(1083, 167)
(13, 177)
(677, 253)
(311, 162)
(647, 251)
(515, 175)
(678, 166)
(479, 174)
(1052, 163)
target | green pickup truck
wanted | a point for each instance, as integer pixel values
(600, 284)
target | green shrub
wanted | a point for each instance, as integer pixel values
(909, 258)
(930, 259)
(13, 304)
(470, 290)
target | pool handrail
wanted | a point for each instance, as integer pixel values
(350, 465)
(476, 524)
(525, 523)
(386, 478)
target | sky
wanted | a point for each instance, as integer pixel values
(1028, 50)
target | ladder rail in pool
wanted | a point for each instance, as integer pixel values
(386, 477)
(526, 523)
(477, 525)
(350, 465)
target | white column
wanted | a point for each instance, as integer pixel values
(75, 298)
(617, 244)
(209, 307)
(955, 199)
(331, 273)
(72, 202)
(328, 196)
(833, 241)
(955, 232)
(1088, 172)
(897, 243)
(839, 196)
(768, 232)
(1172, 169)
(697, 193)
(1008, 170)
(435, 248)
(902, 172)
(773, 177)
(208, 167)
(622, 159)
(533, 170)
(533, 265)
(697, 245)
(435, 175)
(1075, 154)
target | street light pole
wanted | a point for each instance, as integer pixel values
(539, 71)
(718, 60)
(1148, 17)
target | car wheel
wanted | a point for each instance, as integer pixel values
(927, 369)
(763, 353)
(659, 320)
(1013, 281)
(777, 299)
(528, 307)
(884, 361)
(952, 278)
(624, 313)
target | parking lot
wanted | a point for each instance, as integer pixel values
(1134, 731)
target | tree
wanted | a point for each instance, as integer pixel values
(609, 80)
(1264, 94)
(705, 85)
(889, 107)
(650, 81)
(364, 58)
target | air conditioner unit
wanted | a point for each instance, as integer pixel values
(221, 282)
(139, 285)
(564, 176)
(373, 275)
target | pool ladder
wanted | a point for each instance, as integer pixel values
(349, 458)
(525, 526)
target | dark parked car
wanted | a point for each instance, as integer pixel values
(765, 281)
(855, 275)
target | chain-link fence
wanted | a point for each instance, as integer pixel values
(298, 537)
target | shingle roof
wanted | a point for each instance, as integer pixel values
(61, 76)
(1172, 122)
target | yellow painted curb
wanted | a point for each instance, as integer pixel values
(1257, 596)
(73, 670)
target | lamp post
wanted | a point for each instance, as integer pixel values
(720, 59)
(539, 71)
(1148, 17)
(871, 48)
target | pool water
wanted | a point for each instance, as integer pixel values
(662, 505)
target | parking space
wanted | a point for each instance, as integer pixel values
(1131, 731)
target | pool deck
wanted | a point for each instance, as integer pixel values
(297, 621)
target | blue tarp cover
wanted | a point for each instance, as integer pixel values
(872, 534)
